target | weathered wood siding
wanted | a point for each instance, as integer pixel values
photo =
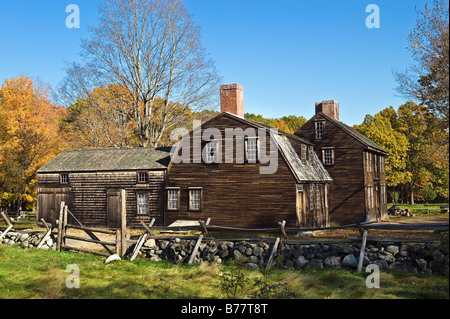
(348, 193)
(87, 196)
(236, 194)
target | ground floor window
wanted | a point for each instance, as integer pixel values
(142, 202)
(195, 199)
(173, 199)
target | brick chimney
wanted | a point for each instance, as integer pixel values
(232, 99)
(328, 107)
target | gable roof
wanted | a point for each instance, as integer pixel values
(311, 171)
(109, 160)
(354, 133)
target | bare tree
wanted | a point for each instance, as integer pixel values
(427, 81)
(152, 48)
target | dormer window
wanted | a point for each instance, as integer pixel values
(319, 129)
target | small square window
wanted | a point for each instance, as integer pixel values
(64, 178)
(142, 177)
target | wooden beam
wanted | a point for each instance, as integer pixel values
(147, 228)
(123, 222)
(138, 246)
(44, 239)
(363, 247)
(5, 232)
(60, 225)
(437, 226)
(87, 251)
(394, 239)
(197, 244)
(8, 222)
(275, 246)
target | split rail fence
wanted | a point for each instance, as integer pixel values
(120, 242)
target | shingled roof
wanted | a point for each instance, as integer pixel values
(109, 160)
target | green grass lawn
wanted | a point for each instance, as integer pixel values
(424, 210)
(34, 273)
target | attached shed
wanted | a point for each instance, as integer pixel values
(89, 181)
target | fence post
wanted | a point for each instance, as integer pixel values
(60, 225)
(363, 246)
(277, 242)
(123, 224)
(199, 241)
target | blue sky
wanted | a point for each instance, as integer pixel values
(287, 54)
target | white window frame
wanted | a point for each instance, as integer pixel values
(173, 199)
(251, 149)
(142, 203)
(195, 198)
(212, 156)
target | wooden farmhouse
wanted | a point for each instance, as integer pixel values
(356, 164)
(235, 171)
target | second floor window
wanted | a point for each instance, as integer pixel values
(142, 177)
(252, 150)
(319, 129)
(212, 152)
(328, 156)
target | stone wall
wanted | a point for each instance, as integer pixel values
(28, 240)
(419, 258)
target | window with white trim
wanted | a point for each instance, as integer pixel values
(212, 152)
(195, 199)
(142, 203)
(173, 199)
(251, 145)
(319, 129)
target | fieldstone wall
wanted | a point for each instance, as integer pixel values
(419, 258)
(28, 240)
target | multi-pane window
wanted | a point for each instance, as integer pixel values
(212, 152)
(173, 199)
(319, 129)
(317, 196)
(142, 202)
(328, 156)
(252, 150)
(304, 153)
(195, 199)
(311, 196)
(142, 177)
(64, 178)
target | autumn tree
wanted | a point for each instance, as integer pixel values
(29, 137)
(152, 49)
(417, 146)
(289, 124)
(427, 81)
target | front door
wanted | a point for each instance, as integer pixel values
(113, 208)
